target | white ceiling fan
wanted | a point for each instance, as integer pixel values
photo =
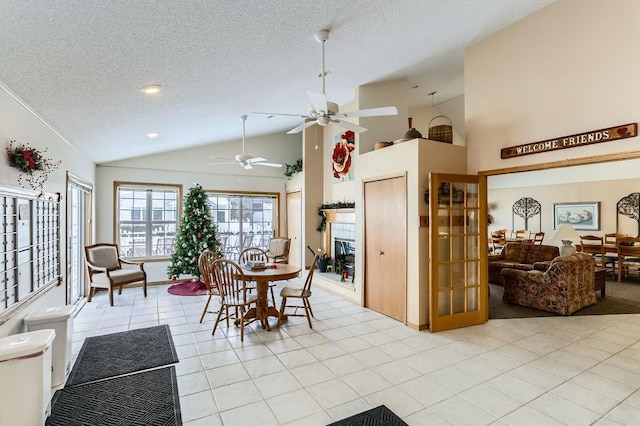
(245, 160)
(324, 112)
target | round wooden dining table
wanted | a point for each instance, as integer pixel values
(262, 277)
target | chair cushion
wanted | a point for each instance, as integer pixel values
(106, 257)
(119, 276)
(278, 247)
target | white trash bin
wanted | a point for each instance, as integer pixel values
(59, 319)
(25, 369)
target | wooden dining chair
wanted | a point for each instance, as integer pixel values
(302, 293)
(537, 238)
(235, 299)
(594, 246)
(498, 240)
(205, 265)
(523, 234)
(628, 256)
(252, 254)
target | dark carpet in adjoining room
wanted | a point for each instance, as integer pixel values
(379, 416)
(116, 354)
(620, 298)
(147, 398)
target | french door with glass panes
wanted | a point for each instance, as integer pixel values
(78, 235)
(458, 289)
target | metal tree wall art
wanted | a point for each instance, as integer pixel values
(526, 208)
(629, 206)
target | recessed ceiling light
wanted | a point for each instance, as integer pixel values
(153, 135)
(151, 89)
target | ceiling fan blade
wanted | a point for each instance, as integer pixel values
(255, 159)
(371, 112)
(349, 126)
(220, 164)
(278, 113)
(301, 127)
(268, 164)
(318, 100)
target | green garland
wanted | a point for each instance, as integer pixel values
(291, 169)
(329, 206)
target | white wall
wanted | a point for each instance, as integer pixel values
(569, 68)
(19, 123)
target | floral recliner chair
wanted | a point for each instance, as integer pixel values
(565, 287)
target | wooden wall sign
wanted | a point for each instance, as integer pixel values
(581, 139)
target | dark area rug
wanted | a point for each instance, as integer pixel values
(621, 298)
(121, 353)
(148, 398)
(379, 416)
(188, 288)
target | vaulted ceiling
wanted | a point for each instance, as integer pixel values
(80, 65)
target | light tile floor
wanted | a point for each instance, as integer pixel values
(536, 371)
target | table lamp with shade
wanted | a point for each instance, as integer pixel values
(568, 235)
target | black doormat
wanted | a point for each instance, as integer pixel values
(379, 416)
(148, 398)
(116, 354)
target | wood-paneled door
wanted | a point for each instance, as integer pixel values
(458, 289)
(385, 256)
(294, 227)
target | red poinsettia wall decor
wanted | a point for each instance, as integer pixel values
(341, 159)
(32, 164)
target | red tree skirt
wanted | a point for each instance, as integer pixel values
(188, 288)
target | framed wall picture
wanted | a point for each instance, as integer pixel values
(583, 216)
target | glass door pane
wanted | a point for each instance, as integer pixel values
(455, 242)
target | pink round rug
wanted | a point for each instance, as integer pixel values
(188, 288)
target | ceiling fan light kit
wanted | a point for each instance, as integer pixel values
(323, 112)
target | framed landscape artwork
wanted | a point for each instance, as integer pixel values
(583, 216)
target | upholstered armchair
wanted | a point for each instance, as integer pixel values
(567, 285)
(279, 249)
(107, 270)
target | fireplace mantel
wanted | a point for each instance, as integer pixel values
(340, 215)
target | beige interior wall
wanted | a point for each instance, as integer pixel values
(569, 68)
(18, 122)
(607, 192)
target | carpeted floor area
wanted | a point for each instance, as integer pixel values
(116, 354)
(621, 298)
(379, 416)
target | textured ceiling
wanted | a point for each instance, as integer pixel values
(80, 64)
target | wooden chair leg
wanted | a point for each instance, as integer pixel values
(305, 302)
(309, 305)
(205, 308)
(222, 308)
(120, 290)
(90, 295)
(111, 295)
(242, 325)
(144, 286)
(273, 297)
(282, 306)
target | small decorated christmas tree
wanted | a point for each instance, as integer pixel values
(196, 233)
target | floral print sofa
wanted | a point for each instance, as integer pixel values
(519, 256)
(564, 288)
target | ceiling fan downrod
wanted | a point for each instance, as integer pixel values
(322, 36)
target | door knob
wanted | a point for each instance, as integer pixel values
(381, 253)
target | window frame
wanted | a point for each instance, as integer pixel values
(149, 221)
(275, 220)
